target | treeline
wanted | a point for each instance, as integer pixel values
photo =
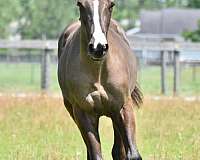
(34, 19)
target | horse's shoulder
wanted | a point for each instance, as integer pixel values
(67, 34)
(118, 38)
(119, 30)
(71, 28)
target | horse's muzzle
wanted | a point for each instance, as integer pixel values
(97, 53)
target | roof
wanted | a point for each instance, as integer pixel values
(169, 21)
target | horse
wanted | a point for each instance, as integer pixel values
(97, 74)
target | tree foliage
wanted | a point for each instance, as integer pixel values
(45, 18)
(8, 14)
(39, 18)
(193, 36)
(194, 3)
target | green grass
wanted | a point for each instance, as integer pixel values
(169, 130)
(26, 77)
(150, 81)
(38, 128)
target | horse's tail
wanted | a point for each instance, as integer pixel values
(137, 96)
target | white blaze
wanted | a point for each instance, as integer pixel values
(99, 36)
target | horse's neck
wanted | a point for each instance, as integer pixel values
(94, 68)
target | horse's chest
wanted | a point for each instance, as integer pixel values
(92, 98)
(89, 95)
(98, 98)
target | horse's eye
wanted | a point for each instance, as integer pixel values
(79, 4)
(112, 4)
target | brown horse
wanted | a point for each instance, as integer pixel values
(97, 74)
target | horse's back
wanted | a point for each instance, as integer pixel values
(120, 45)
(119, 30)
(121, 57)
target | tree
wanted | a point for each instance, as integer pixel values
(194, 3)
(129, 9)
(8, 14)
(45, 18)
(39, 18)
(193, 36)
(126, 10)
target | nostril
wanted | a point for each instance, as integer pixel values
(99, 46)
(91, 47)
(102, 47)
(105, 47)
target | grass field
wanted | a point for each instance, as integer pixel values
(39, 128)
(18, 77)
(26, 77)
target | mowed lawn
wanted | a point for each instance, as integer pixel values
(26, 77)
(39, 128)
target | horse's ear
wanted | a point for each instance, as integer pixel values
(78, 2)
(112, 3)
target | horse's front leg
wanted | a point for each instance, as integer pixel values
(118, 150)
(88, 126)
(125, 124)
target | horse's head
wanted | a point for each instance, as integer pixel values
(95, 16)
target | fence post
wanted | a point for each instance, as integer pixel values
(176, 72)
(194, 70)
(45, 70)
(163, 71)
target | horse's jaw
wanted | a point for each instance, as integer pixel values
(96, 59)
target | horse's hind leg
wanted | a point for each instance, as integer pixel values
(88, 126)
(118, 150)
(125, 123)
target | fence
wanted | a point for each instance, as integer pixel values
(168, 48)
(46, 46)
(163, 48)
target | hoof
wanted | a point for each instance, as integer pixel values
(135, 157)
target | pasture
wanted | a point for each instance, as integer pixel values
(19, 77)
(39, 127)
